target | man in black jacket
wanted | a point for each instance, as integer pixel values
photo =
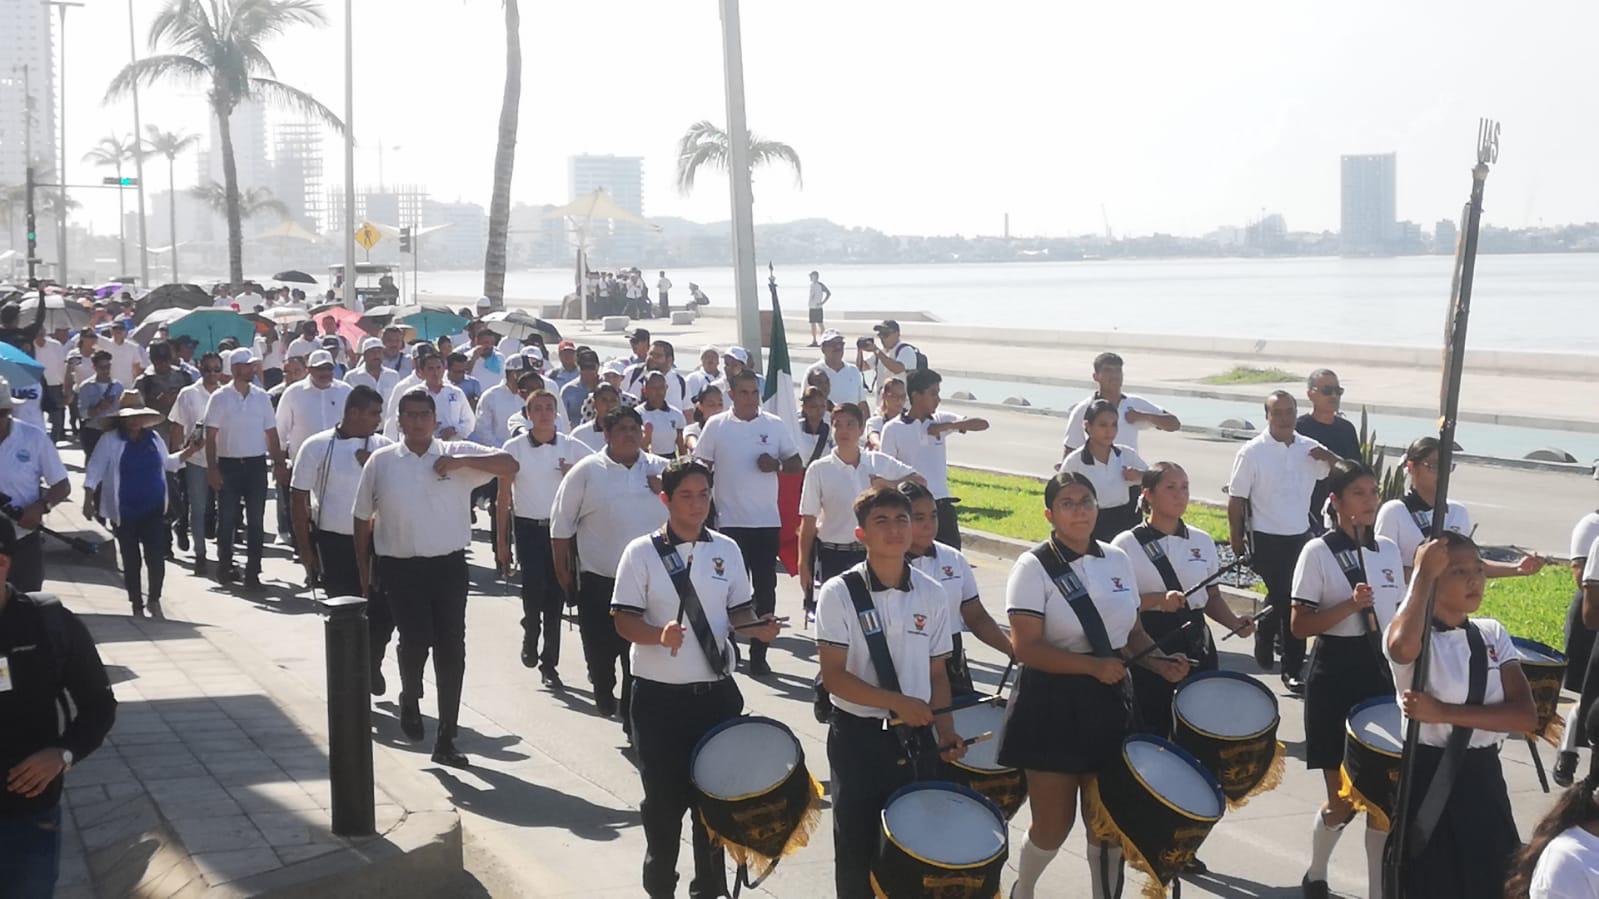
(45, 654)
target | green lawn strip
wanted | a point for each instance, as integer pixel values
(1246, 374)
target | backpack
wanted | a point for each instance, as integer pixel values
(920, 358)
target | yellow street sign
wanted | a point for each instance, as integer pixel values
(367, 236)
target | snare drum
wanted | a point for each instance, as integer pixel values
(757, 798)
(1546, 674)
(979, 768)
(1229, 722)
(1373, 742)
(940, 839)
(1157, 802)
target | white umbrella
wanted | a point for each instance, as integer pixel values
(154, 322)
(286, 314)
(58, 313)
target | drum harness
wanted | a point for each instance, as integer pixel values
(1351, 559)
(689, 599)
(1150, 540)
(914, 742)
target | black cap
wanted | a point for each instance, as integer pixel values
(637, 334)
(886, 326)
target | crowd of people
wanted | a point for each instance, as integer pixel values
(647, 496)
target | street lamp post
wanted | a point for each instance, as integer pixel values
(61, 155)
(747, 297)
(349, 155)
(138, 160)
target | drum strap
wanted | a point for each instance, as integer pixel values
(1149, 539)
(820, 449)
(1350, 561)
(690, 599)
(872, 629)
(1057, 564)
(1443, 780)
(1420, 512)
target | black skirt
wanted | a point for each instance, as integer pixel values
(1113, 520)
(1342, 672)
(1579, 646)
(1590, 692)
(1153, 693)
(1469, 854)
(1064, 723)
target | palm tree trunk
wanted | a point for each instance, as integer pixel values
(172, 212)
(504, 160)
(230, 188)
(122, 224)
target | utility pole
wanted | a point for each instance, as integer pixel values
(61, 158)
(350, 301)
(27, 187)
(747, 297)
(138, 160)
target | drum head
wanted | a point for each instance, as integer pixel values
(943, 823)
(1174, 775)
(744, 757)
(1375, 725)
(1224, 704)
(980, 719)
(1534, 653)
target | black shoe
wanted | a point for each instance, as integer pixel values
(1565, 768)
(1293, 684)
(552, 680)
(411, 719)
(1314, 889)
(252, 582)
(138, 609)
(1264, 657)
(530, 657)
(183, 540)
(445, 753)
(228, 574)
(758, 666)
(378, 685)
(605, 704)
(199, 568)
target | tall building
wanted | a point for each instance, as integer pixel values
(26, 42)
(297, 171)
(611, 244)
(1444, 236)
(1368, 208)
(247, 127)
(461, 244)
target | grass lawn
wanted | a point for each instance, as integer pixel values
(1013, 506)
(1245, 374)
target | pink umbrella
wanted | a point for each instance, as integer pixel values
(349, 324)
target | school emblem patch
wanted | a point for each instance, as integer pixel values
(1493, 655)
(1195, 554)
(763, 440)
(1389, 574)
(921, 622)
(720, 565)
(1116, 584)
(949, 571)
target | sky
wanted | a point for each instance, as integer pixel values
(934, 117)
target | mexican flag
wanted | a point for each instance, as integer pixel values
(779, 399)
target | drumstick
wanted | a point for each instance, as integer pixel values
(1004, 678)
(969, 741)
(1256, 618)
(1237, 563)
(1156, 645)
(780, 620)
(952, 707)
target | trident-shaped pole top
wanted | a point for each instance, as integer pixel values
(1487, 141)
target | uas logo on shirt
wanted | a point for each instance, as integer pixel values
(720, 565)
(1116, 585)
(921, 622)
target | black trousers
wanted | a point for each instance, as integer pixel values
(143, 541)
(603, 647)
(542, 596)
(1274, 560)
(668, 720)
(56, 407)
(340, 577)
(246, 480)
(949, 530)
(831, 563)
(427, 596)
(864, 761)
(27, 564)
(758, 546)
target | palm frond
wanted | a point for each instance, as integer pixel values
(706, 145)
(765, 151)
(296, 99)
(147, 71)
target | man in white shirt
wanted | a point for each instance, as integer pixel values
(661, 287)
(746, 448)
(709, 372)
(188, 429)
(680, 592)
(486, 363)
(413, 508)
(28, 459)
(305, 344)
(917, 439)
(311, 405)
(51, 354)
(523, 510)
(372, 372)
(845, 382)
(1267, 498)
(604, 502)
(895, 359)
(241, 432)
(818, 298)
(452, 409)
(1137, 413)
(394, 355)
(127, 357)
(661, 357)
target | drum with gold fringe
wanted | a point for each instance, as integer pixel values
(1373, 741)
(979, 768)
(1229, 722)
(1545, 669)
(939, 839)
(1158, 803)
(757, 799)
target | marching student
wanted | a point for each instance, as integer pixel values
(746, 448)
(603, 503)
(1476, 694)
(1135, 412)
(663, 423)
(916, 438)
(455, 418)
(949, 567)
(413, 508)
(1112, 468)
(591, 433)
(1267, 498)
(1561, 861)
(707, 405)
(188, 429)
(1347, 584)
(1579, 646)
(709, 372)
(501, 403)
(881, 610)
(660, 358)
(1169, 559)
(815, 434)
(1073, 616)
(680, 590)
(890, 404)
(545, 456)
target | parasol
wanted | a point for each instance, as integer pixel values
(210, 327)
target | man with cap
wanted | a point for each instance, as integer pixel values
(566, 352)
(487, 364)
(661, 357)
(734, 360)
(241, 434)
(639, 340)
(127, 357)
(125, 483)
(846, 384)
(372, 372)
(188, 429)
(312, 405)
(709, 372)
(28, 459)
(575, 393)
(818, 298)
(893, 359)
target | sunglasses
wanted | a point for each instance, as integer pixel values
(1330, 391)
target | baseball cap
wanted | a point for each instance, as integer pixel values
(6, 402)
(614, 367)
(832, 334)
(565, 345)
(886, 326)
(514, 363)
(319, 358)
(242, 356)
(484, 302)
(532, 352)
(371, 343)
(739, 353)
(638, 334)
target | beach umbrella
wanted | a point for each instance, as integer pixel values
(520, 325)
(209, 327)
(349, 324)
(106, 290)
(21, 369)
(377, 317)
(59, 312)
(154, 322)
(172, 296)
(287, 314)
(294, 277)
(430, 322)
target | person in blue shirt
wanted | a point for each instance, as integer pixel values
(97, 400)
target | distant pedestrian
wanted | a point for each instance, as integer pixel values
(845, 382)
(576, 392)
(709, 372)
(97, 401)
(125, 483)
(917, 439)
(241, 437)
(819, 296)
(894, 360)
(661, 287)
(1137, 413)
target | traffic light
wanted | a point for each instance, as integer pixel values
(32, 228)
(114, 181)
(405, 239)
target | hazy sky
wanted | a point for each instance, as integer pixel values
(938, 117)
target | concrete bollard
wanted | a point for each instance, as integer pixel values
(349, 716)
(614, 323)
(1550, 454)
(962, 395)
(1015, 401)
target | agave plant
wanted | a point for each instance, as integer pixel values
(1390, 481)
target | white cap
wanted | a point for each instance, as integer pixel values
(832, 334)
(532, 350)
(371, 343)
(319, 358)
(514, 362)
(710, 348)
(614, 367)
(241, 356)
(484, 302)
(739, 353)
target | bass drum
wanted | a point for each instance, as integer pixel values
(940, 839)
(979, 768)
(1545, 669)
(1373, 743)
(1157, 802)
(1229, 722)
(757, 798)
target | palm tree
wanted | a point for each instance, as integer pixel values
(112, 152)
(504, 159)
(170, 144)
(250, 202)
(220, 43)
(704, 144)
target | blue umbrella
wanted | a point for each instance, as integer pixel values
(209, 327)
(21, 369)
(432, 323)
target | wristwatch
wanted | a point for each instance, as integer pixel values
(66, 760)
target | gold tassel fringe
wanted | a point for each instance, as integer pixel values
(1273, 779)
(1553, 733)
(877, 890)
(1104, 828)
(1377, 818)
(799, 839)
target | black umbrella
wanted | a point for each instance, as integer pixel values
(520, 325)
(294, 277)
(171, 296)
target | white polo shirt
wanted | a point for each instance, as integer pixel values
(1126, 432)
(906, 439)
(494, 411)
(419, 514)
(677, 393)
(450, 407)
(1110, 483)
(242, 421)
(1583, 535)
(126, 357)
(1277, 479)
(665, 424)
(533, 490)
(605, 505)
(948, 567)
(327, 467)
(188, 413)
(904, 354)
(384, 383)
(305, 409)
(28, 462)
(1407, 523)
(746, 497)
(807, 442)
(643, 588)
(846, 385)
(1105, 571)
(53, 356)
(484, 370)
(914, 616)
(302, 347)
(1192, 554)
(1590, 569)
(591, 435)
(697, 380)
(1449, 675)
(1320, 582)
(831, 486)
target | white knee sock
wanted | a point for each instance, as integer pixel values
(1030, 867)
(1322, 841)
(1109, 872)
(1568, 741)
(1374, 842)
